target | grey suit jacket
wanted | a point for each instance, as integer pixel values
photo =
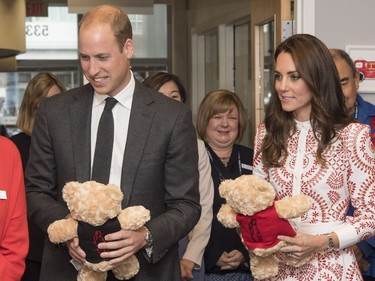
(159, 172)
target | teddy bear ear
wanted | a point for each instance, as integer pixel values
(263, 185)
(69, 189)
(225, 187)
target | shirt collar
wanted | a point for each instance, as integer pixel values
(124, 97)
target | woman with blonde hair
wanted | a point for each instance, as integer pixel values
(41, 86)
(221, 123)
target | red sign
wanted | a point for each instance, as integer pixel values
(36, 9)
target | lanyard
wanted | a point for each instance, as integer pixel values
(221, 177)
(355, 115)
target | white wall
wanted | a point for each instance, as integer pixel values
(345, 22)
(339, 23)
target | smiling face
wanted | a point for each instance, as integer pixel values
(349, 83)
(292, 90)
(105, 66)
(170, 89)
(222, 129)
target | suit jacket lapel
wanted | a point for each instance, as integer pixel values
(80, 118)
(139, 126)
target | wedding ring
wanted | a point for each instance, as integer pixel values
(290, 255)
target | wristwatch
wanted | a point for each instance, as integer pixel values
(148, 238)
(330, 245)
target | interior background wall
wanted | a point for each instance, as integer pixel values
(180, 42)
(221, 20)
(346, 22)
(211, 13)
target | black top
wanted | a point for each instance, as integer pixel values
(22, 141)
(4, 131)
(222, 238)
(36, 235)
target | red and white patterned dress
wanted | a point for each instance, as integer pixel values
(349, 175)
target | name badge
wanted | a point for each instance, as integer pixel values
(3, 194)
(247, 167)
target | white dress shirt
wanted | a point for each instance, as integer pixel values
(121, 115)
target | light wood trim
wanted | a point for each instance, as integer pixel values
(261, 12)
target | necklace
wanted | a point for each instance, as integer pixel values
(225, 156)
(224, 160)
(218, 170)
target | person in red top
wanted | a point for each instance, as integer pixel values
(14, 241)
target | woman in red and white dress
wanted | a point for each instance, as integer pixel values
(309, 144)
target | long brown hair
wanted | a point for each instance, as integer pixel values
(316, 67)
(36, 90)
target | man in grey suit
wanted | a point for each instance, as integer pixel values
(154, 158)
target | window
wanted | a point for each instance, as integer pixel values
(137, 24)
(53, 37)
(52, 45)
(150, 34)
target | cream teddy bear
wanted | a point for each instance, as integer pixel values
(95, 211)
(260, 218)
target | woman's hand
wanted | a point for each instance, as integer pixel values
(187, 267)
(304, 245)
(231, 260)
